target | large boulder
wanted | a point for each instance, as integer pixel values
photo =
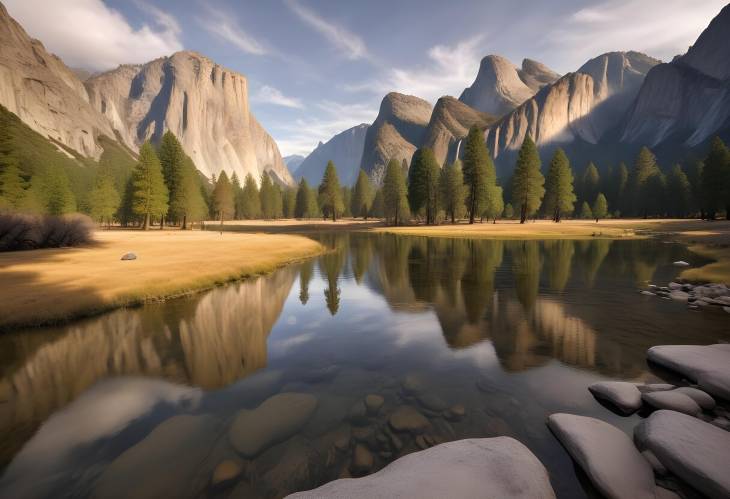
(482, 467)
(274, 421)
(695, 451)
(673, 400)
(626, 397)
(606, 455)
(708, 366)
(407, 418)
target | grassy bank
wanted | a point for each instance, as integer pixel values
(45, 286)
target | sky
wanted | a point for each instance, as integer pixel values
(318, 67)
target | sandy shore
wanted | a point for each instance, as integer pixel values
(52, 285)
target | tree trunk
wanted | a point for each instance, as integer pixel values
(162, 222)
(453, 217)
(523, 213)
(146, 224)
(185, 222)
(334, 215)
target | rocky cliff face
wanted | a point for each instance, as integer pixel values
(202, 103)
(344, 149)
(500, 86)
(44, 93)
(396, 133)
(583, 105)
(450, 122)
(687, 100)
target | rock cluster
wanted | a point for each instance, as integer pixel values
(699, 296)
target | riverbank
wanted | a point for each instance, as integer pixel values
(55, 285)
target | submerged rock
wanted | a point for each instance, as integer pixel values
(274, 421)
(606, 455)
(432, 402)
(673, 400)
(695, 451)
(407, 418)
(481, 467)
(623, 395)
(708, 366)
(362, 460)
(225, 471)
(373, 403)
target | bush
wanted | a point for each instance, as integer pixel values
(25, 232)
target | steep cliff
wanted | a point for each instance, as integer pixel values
(396, 133)
(344, 149)
(203, 104)
(500, 86)
(687, 100)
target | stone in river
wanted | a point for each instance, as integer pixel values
(432, 402)
(274, 421)
(481, 467)
(620, 394)
(407, 418)
(358, 414)
(655, 387)
(695, 451)
(362, 460)
(681, 263)
(705, 401)
(673, 400)
(225, 471)
(679, 295)
(708, 366)
(606, 455)
(373, 403)
(413, 384)
(656, 465)
(456, 412)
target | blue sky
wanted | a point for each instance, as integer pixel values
(316, 68)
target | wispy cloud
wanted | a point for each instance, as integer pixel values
(271, 95)
(223, 25)
(351, 45)
(162, 18)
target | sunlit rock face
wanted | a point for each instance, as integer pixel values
(44, 93)
(204, 104)
(688, 99)
(396, 133)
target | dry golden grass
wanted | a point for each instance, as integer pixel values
(50, 285)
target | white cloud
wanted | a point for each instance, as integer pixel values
(660, 28)
(351, 45)
(224, 26)
(271, 95)
(89, 34)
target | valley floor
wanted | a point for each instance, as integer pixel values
(49, 285)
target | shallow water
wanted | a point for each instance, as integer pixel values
(511, 330)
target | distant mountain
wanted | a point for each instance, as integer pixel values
(344, 149)
(500, 86)
(396, 133)
(293, 161)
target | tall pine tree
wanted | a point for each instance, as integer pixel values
(150, 197)
(715, 178)
(527, 181)
(251, 202)
(423, 176)
(395, 200)
(103, 199)
(479, 173)
(559, 195)
(453, 190)
(223, 201)
(330, 193)
(641, 189)
(362, 196)
(172, 161)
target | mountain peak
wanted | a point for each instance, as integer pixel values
(710, 54)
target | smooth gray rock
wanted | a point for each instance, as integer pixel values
(656, 465)
(373, 403)
(704, 400)
(606, 455)
(624, 396)
(672, 400)
(482, 467)
(655, 387)
(695, 451)
(129, 256)
(708, 366)
(274, 421)
(681, 263)
(407, 418)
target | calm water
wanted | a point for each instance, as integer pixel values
(511, 330)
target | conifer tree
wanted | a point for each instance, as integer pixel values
(644, 168)
(302, 206)
(527, 181)
(172, 161)
(600, 207)
(479, 173)
(103, 199)
(694, 176)
(452, 190)
(585, 211)
(590, 183)
(57, 192)
(223, 202)
(150, 198)
(266, 193)
(423, 176)
(330, 193)
(495, 204)
(377, 209)
(277, 202)
(12, 187)
(190, 205)
(251, 202)
(509, 212)
(362, 196)
(617, 194)
(395, 201)
(559, 195)
(715, 177)
(346, 201)
(290, 200)
(679, 193)
(237, 196)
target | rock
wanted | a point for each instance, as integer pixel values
(421, 442)
(456, 412)
(708, 366)
(153, 467)
(362, 460)
(432, 402)
(606, 455)
(655, 387)
(721, 422)
(363, 434)
(129, 256)
(373, 403)
(705, 401)
(656, 465)
(413, 385)
(487, 467)
(274, 421)
(344, 149)
(407, 418)
(679, 295)
(673, 400)
(674, 285)
(647, 293)
(225, 471)
(680, 263)
(622, 395)
(342, 442)
(395, 441)
(358, 414)
(695, 451)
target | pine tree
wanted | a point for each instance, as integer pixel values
(103, 199)
(190, 204)
(559, 195)
(527, 181)
(330, 193)
(346, 201)
(590, 183)
(453, 190)
(395, 201)
(644, 168)
(12, 187)
(617, 195)
(251, 202)
(679, 193)
(223, 202)
(377, 209)
(237, 196)
(277, 202)
(694, 176)
(268, 197)
(172, 161)
(290, 201)
(509, 212)
(423, 176)
(362, 196)
(600, 207)
(495, 204)
(150, 196)
(715, 177)
(585, 211)
(56, 191)
(302, 207)
(479, 174)
(654, 196)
